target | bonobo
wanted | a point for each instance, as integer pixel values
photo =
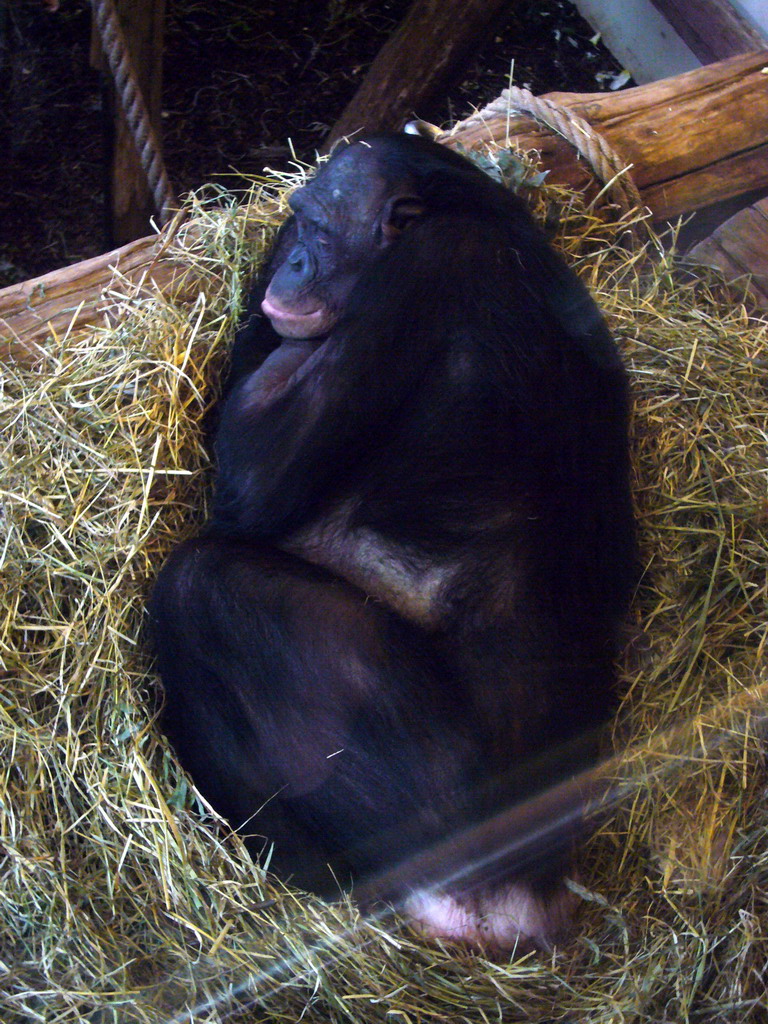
(401, 619)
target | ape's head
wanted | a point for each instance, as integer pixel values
(342, 220)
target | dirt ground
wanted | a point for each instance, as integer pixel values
(241, 78)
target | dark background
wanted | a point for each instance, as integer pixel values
(241, 78)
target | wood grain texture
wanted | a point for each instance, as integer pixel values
(34, 311)
(131, 203)
(713, 29)
(416, 65)
(739, 248)
(691, 140)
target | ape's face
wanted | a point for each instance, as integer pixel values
(341, 222)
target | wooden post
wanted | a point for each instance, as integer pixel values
(130, 200)
(416, 65)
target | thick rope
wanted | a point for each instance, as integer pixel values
(601, 157)
(134, 107)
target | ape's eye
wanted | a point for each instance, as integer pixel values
(312, 231)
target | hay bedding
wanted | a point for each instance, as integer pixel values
(123, 899)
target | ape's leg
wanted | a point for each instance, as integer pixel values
(306, 713)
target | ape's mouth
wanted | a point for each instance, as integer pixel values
(292, 323)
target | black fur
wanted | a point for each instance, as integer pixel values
(403, 614)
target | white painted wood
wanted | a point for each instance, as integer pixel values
(640, 38)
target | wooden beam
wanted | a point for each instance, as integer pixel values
(739, 248)
(713, 29)
(692, 140)
(67, 299)
(417, 63)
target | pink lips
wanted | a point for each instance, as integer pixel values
(290, 324)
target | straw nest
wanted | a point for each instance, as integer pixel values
(124, 899)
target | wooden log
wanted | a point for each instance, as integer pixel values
(417, 63)
(692, 140)
(74, 296)
(739, 248)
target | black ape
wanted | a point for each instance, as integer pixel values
(402, 617)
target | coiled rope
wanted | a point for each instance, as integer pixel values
(134, 107)
(606, 163)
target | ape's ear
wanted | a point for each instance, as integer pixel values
(398, 213)
(422, 128)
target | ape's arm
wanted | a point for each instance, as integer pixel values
(256, 338)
